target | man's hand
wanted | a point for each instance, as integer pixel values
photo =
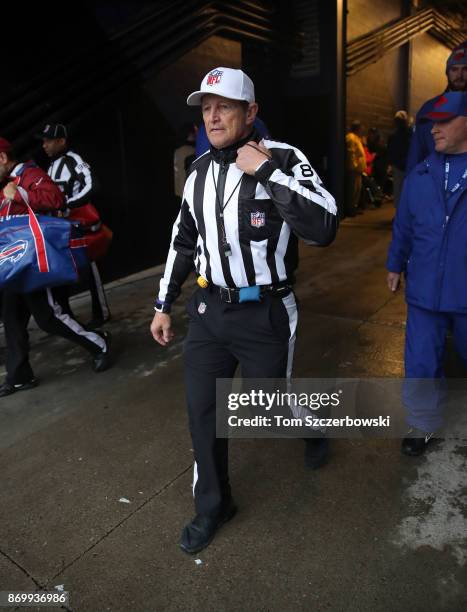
(161, 328)
(393, 281)
(10, 190)
(250, 156)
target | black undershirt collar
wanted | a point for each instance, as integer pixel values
(229, 154)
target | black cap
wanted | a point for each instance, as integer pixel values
(53, 130)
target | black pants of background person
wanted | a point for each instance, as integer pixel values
(17, 310)
(258, 336)
(92, 281)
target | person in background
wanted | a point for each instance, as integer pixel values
(20, 183)
(398, 149)
(422, 142)
(355, 167)
(73, 176)
(429, 247)
(184, 155)
(377, 146)
(371, 194)
(369, 157)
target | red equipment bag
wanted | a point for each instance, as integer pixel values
(96, 235)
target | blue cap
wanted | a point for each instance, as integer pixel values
(447, 106)
(458, 56)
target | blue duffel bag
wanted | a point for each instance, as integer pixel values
(38, 251)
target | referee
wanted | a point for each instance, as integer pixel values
(245, 204)
(73, 175)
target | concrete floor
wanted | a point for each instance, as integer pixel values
(373, 530)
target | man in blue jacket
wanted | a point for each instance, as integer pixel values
(429, 246)
(422, 141)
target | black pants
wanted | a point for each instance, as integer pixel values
(257, 335)
(17, 310)
(91, 280)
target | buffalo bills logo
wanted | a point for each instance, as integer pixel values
(13, 252)
(214, 77)
(440, 101)
(258, 219)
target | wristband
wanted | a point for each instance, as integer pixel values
(161, 306)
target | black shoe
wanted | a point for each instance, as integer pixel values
(415, 442)
(101, 361)
(200, 532)
(316, 452)
(8, 389)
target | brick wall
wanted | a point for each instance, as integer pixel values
(364, 16)
(375, 93)
(428, 70)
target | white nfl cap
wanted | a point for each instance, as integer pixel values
(226, 82)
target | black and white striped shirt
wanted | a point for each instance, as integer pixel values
(263, 217)
(73, 175)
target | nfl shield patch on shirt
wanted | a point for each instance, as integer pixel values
(258, 219)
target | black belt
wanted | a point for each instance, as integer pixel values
(231, 295)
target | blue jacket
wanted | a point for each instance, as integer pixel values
(422, 143)
(427, 244)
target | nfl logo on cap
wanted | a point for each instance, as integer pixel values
(230, 83)
(214, 77)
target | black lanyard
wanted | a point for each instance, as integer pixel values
(226, 248)
(219, 204)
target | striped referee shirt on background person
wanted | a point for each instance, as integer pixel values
(73, 175)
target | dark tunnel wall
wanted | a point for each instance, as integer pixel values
(129, 136)
(128, 143)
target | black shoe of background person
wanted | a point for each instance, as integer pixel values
(9, 389)
(316, 452)
(200, 532)
(101, 361)
(415, 443)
